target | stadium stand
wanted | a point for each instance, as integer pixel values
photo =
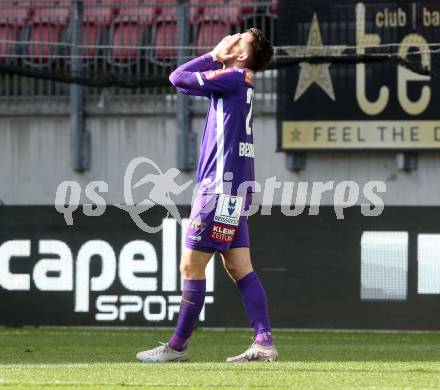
(47, 28)
(273, 7)
(121, 40)
(14, 16)
(131, 28)
(97, 19)
(217, 21)
(165, 33)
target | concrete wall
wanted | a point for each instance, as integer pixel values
(35, 158)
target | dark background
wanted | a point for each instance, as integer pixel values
(337, 25)
(310, 266)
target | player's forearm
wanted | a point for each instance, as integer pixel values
(201, 64)
(183, 76)
(184, 79)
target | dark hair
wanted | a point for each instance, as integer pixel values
(262, 50)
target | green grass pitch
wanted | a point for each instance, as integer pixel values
(82, 358)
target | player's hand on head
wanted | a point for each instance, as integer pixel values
(223, 48)
(222, 43)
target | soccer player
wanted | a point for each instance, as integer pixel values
(218, 220)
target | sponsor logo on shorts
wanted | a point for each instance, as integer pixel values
(223, 233)
(228, 209)
(246, 149)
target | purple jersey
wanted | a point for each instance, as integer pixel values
(227, 148)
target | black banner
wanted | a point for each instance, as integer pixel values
(319, 271)
(366, 105)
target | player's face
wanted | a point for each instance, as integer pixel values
(243, 46)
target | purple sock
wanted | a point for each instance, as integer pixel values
(193, 298)
(255, 302)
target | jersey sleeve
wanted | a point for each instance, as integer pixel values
(184, 77)
(186, 82)
(213, 82)
(220, 81)
(201, 64)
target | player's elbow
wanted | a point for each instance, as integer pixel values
(176, 78)
(181, 79)
(173, 78)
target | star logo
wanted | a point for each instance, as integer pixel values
(296, 135)
(315, 73)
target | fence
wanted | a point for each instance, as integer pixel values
(130, 40)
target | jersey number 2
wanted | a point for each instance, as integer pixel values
(249, 100)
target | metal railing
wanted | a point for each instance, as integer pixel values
(130, 41)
